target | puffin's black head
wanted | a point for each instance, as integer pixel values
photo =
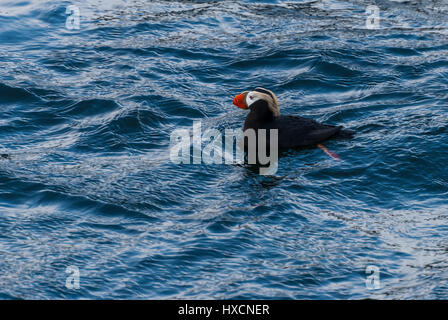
(247, 98)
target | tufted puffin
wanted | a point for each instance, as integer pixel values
(293, 131)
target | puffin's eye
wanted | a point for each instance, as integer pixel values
(251, 97)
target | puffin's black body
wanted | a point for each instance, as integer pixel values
(293, 131)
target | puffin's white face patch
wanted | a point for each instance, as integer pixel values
(251, 98)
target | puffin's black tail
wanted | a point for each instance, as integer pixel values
(344, 134)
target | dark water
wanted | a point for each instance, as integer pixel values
(86, 118)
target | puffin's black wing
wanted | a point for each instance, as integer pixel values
(294, 131)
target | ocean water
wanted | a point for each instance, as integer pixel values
(86, 181)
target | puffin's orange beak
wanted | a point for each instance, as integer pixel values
(239, 101)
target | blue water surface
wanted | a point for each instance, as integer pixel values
(86, 179)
